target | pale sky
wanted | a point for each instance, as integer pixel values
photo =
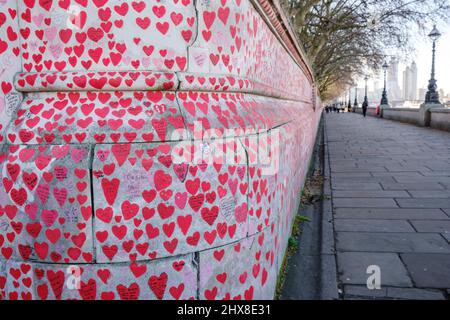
(423, 59)
(422, 56)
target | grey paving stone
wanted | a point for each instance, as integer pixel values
(370, 194)
(405, 164)
(391, 242)
(423, 179)
(430, 194)
(428, 270)
(412, 186)
(446, 185)
(343, 169)
(399, 175)
(352, 175)
(424, 203)
(435, 173)
(353, 267)
(352, 291)
(355, 185)
(439, 226)
(414, 294)
(446, 236)
(405, 168)
(371, 225)
(341, 179)
(364, 203)
(390, 214)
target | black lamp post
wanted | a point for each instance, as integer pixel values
(366, 100)
(355, 104)
(384, 98)
(432, 95)
(349, 105)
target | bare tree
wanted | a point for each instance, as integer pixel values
(342, 38)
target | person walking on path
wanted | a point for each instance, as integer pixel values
(364, 108)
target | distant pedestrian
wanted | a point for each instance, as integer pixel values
(364, 108)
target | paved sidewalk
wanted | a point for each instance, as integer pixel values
(391, 205)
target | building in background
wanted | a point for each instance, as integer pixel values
(393, 87)
(422, 93)
(410, 82)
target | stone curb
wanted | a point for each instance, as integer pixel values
(329, 282)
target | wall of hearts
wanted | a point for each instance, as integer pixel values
(149, 149)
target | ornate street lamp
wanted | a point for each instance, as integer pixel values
(384, 98)
(355, 104)
(432, 95)
(366, 100)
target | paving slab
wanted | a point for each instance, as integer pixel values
(424, 203)
(364, 203)
(428, 270)
(391, 207)
(440, 226)
(423, 179)
(399, 175)
(352, 175)
(354, 179)
(391, 242)
(353, 267)
(427, 186)
(390, 214)
(364, 225)
(357, 185)
(355, 292)
(370, 194)
(392, 293)
(430, 193)
(446, 236)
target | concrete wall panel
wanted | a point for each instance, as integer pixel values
(9, 63)
(46, 204)
(111, 35)
(140, 150)
(240, 271)
(168, 279)
(96, 117)
(149, 206)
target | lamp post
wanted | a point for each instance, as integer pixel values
(384, 98)
(366, 100)
(349, 105)
(355, 104)
(432, 96)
